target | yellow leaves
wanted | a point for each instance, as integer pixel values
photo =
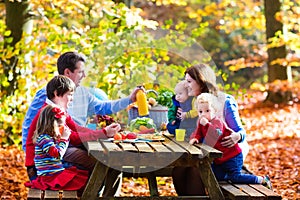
(211, 9)
(191, 13)
(180, 26)
(240, 63)
(168, 2)
(7, 33)
(257, 86)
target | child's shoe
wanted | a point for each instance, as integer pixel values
(267, 182)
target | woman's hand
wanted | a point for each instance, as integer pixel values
(231, 140)
(178, 114)
(183, 115)
(112, 129)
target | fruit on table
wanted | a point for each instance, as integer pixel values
(118, 136)
(61, 129)
(143, 128)
(163, 126)
(104, 120)
(123, 136)
(131, 135)
(149, 130)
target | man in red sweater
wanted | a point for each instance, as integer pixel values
(60, 93)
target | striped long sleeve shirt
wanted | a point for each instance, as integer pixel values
(48, 155)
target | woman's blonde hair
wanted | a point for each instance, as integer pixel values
(47, 122)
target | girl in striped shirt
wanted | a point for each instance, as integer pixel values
(51, 140)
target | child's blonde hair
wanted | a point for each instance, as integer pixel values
(49, 118)
(209, 98)
(181, 86)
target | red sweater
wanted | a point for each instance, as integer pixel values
(212, 134)
(76, 138)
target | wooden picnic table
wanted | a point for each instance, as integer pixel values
(145, 156)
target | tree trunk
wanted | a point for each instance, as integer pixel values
(17, 21)
(275, 71)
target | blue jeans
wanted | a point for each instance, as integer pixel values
(231, 171)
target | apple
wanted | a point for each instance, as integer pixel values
(123, 136)
(131, 135)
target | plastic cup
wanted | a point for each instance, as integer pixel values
(180, 135)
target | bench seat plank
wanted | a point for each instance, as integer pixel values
(34, 194)
(232, 192)
(52, 195)
(269, 193)
(254, 194)
(69, 195)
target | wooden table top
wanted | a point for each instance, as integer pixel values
(159, 154)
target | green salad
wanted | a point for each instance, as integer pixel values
(136, 124)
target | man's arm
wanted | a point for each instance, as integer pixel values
(33, 109)
(84, 102)
(110, 107)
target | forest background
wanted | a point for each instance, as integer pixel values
(254, 47)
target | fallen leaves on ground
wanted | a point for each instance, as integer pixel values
(274, 138)
(13, 174)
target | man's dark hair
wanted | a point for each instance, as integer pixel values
(61, 84)
(68, 60)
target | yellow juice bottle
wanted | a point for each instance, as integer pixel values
(142, 103)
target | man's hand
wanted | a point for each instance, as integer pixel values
(133, 93)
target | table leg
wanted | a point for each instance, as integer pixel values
(95, 182)
(152, 184)
(112, 182)
(209, 180)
